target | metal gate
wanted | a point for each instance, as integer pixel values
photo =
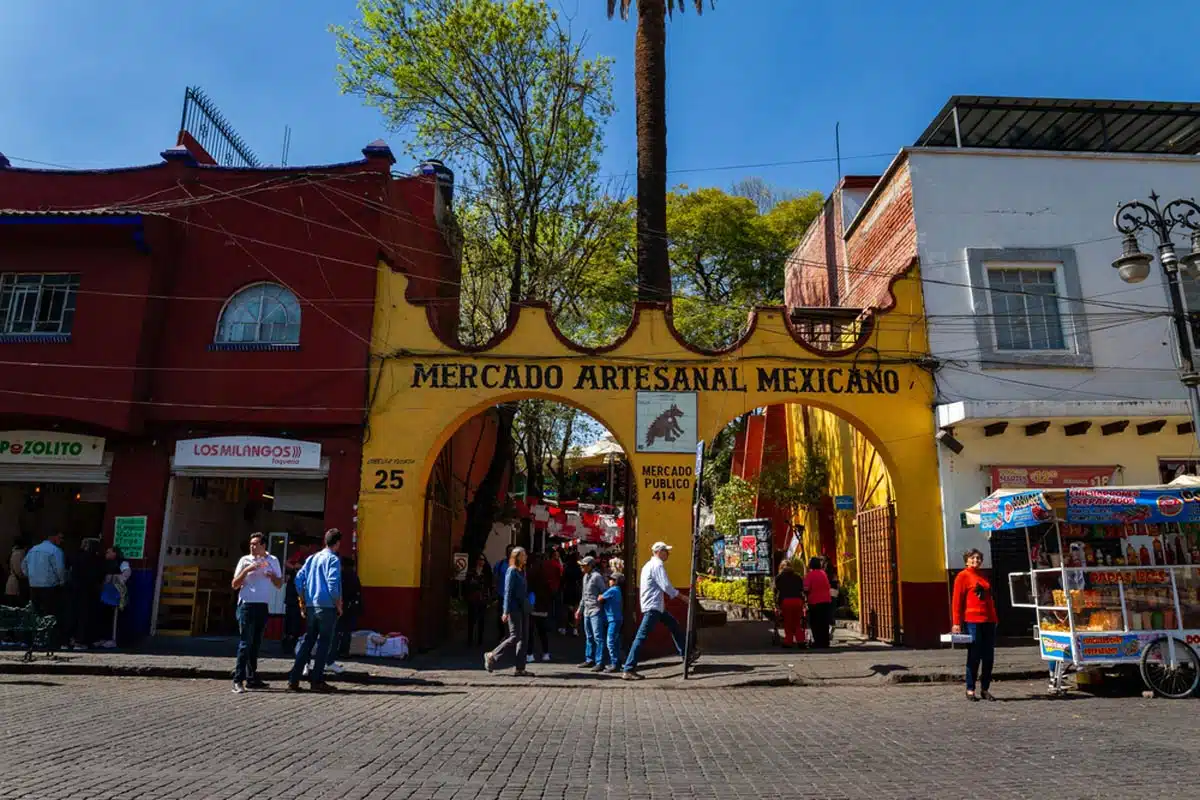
(878, 587)
(436, 563)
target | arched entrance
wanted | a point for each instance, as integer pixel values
(658, 395)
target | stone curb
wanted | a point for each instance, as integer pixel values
(364, 678)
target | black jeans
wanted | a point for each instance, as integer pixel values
(819, 617)
(49, 601)
(252, 621)
(346, 624)
(476, 617)
(982, 651)
(540, 625)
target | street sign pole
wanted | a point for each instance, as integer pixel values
(696, 499)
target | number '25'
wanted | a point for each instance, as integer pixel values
(389, 480)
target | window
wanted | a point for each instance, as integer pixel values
(1025, 309)
(33, 303)
(264, 313)
(1028, 308)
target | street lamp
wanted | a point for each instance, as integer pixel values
(1134, 266)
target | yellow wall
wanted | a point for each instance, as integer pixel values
(411, 419)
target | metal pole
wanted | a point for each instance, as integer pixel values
(1183, 339)
(696, 500)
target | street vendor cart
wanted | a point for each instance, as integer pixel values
(1113, 579)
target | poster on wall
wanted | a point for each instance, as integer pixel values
(666, 422)
(129, 534)
(460, 566)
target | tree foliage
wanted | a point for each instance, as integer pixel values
(733, 501)
(499, 89)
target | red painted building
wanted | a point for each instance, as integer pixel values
(185, 351)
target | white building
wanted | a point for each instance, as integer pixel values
(1049, 368)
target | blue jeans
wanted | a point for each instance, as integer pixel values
(252, 621)
(593, 629)
(614, 643)
(649, 620)
(321, 624)
(982, 650)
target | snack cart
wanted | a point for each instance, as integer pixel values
(1114, 577)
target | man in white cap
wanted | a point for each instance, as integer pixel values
(653, 585)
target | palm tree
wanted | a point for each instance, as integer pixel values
(650, 81)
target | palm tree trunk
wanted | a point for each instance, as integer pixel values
(654, 275)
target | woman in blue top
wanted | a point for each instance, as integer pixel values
(514, 611)
(611, 601)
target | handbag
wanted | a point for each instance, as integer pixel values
(110, 595)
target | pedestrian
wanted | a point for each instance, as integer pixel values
(45, 565)
(611, 601)
(84, 580)
(293, 622)
(572, 586)
(974, 606)
(256, 576)
(479, 588)
(16, 586)
(820, 602)
(592, 615)
(789, 599)
(554, 580)
(114, 594)
(319, 585)
(514, 612)
(499, 572)
(541, 603)
(835, 592)
(654, 585)
(352, 609)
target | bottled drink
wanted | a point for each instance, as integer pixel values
(1180, 558)
(1158, 551)
(1131, 556)
(1144, 556)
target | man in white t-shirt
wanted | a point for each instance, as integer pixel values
(256, 577)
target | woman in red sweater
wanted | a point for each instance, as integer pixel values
(973, 606)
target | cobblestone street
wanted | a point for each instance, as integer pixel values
(83, 737)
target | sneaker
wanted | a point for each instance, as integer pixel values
(321, 687)
(529, 659)
(610, 669)
(522, 673)
(587, 665)
(238, 688)
(598, 668)
(294, 687)
(630, 675)
(108, 645)
(489, 662)
(335, 668)
(257, 684)
(305, 674)
(562, 631)
(545, 656)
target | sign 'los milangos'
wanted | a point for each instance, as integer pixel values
(625, 377)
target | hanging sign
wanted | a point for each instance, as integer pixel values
(754, 539)
(1127, 506)
(1050, 477)
(50, 447)
(247, 452)
(844, 502)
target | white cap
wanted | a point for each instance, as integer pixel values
(654, 548)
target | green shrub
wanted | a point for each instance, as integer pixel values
(850, 589)
(734, 591)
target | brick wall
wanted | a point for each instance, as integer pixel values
(806, 281)
(882, 245)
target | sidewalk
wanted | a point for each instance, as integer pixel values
(850, 665)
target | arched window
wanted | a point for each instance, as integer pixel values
(263, 313)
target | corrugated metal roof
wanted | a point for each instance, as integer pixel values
(1036, 123)
(82, 212)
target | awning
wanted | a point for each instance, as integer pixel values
(57, 473)
(247, 472)
(980, 412)
(1009, 509)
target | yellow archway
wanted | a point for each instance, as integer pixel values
(423, 389)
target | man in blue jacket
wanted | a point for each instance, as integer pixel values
(319, 585)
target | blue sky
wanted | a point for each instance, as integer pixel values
(90, 83)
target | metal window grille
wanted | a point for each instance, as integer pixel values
(33, 303)
(1025, 309)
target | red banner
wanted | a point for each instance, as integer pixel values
(1050, 477)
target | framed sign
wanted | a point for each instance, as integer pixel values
(754, 540)
(666, 422)
(129, 534)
